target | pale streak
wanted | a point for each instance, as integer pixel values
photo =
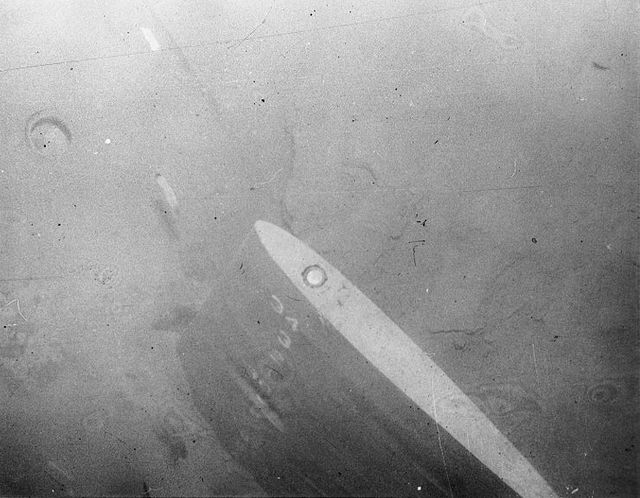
(169, 195)
(151, 39)
(402, 361)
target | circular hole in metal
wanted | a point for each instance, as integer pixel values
(48, 135)
(314, 276)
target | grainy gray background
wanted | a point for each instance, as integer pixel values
(471, 167)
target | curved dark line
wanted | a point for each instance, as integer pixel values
(45, 116)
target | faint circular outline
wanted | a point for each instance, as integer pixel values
(312, 268)
(603, 393)
(47, 116)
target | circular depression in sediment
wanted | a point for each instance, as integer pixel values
(48, 134)
(603, 393)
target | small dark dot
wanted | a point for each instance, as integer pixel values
(534, 240)
(261, 100)
(436, 141)
(71, 69)
(59, 224)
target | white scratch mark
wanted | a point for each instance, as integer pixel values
(169, 195)
(151, 39)
(435, 417)
(264, 20)
(17, 301)
(535, 363)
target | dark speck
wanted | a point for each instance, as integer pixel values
(534, 240)
(599, 66)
